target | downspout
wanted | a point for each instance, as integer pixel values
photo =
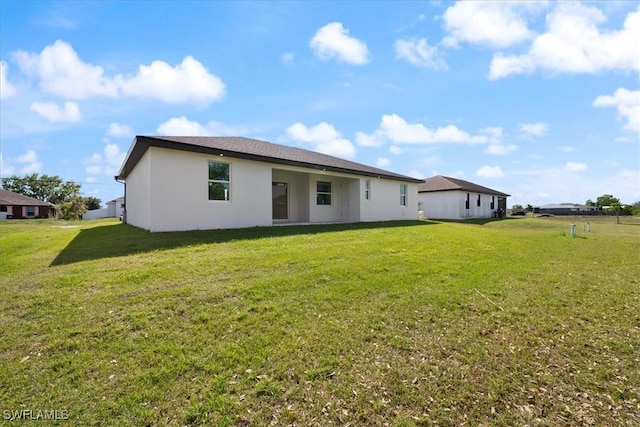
(124, 210)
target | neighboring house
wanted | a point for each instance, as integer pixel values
(114, 209)
(566, 209)
(18, 206)
(443, 197)
(188, 183)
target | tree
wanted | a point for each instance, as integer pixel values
(589, 202)
(42, 187)
(92, 203)
(73, 209)
(517, 208)
(529, 209)
(616, 208)
(606, 200)
(635, 208)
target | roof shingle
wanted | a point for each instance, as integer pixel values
(252, 149)
(445, 183)
(10, 198)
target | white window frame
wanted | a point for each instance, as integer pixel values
(323, 193)
(219, 181)
(403, 194)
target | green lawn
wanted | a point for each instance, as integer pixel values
(508, 322)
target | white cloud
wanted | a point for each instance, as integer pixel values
(376, 139)
(627, 102)
(106, 163)
(498, 24)
(534, 129)
(7, 90)
(500, 149)
(188, 81)
(396, 129)
(567, 149)
(182, 126)
(575, 167)
(490, 172)
(419, 53)
(118, 130)
(394, 149)
(324, 137)
(383, 162)
(415, 173)
(573, 43)
(61, 72)
(334, 42)
(24, 164)
(52, 112)
(287, 58)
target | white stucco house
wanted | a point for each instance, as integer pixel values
(114, 209)
(442, 197)
(189, 183)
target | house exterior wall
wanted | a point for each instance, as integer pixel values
(177, 193)
(168, 191)
(138, 193)
(384, 201)
(452, 204)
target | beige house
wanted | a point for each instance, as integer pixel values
(189, 183)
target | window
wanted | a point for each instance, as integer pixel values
(403, 194)
(367, 189)
(31, 211)
(478, 203)
(218, 181)
(466, 203)
(3, 209)
(323, 190)
(493, 202)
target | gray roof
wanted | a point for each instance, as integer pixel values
(445, 183)
(252, 149)
(9, 198)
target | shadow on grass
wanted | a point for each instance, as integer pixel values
(117, 240)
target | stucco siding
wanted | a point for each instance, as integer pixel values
(179, 193)
(138, 193)
(384, 202)
(452, 205)
(168, 190)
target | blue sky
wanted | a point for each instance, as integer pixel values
(540, 100)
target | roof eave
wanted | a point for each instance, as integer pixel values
(142, 143)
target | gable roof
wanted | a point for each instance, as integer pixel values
(10, 198)
(445, 183)
(251, 149)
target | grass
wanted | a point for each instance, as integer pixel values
(507, 322)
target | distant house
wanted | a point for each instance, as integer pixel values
(114, 209)
(565, 209)
(18, 206)
(443, 197)
(189, 183)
